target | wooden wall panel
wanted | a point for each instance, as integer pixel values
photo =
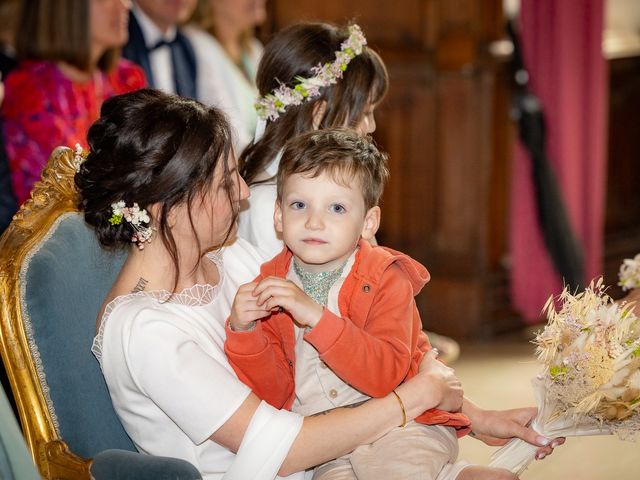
(386, 23)
(622, 214)
(407, 131)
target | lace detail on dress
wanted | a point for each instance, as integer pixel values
(195, 296)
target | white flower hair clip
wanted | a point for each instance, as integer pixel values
(79, 156)
(137, 217)
(273, 104)
(629, 274)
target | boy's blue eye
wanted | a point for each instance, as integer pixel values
(297, 205)
(337, 208)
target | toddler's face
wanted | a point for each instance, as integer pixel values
(322, 220)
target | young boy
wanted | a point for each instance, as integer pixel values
(338, 320)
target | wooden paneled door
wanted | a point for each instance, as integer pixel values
(445, 127)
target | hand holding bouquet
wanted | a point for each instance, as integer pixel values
(590, 381)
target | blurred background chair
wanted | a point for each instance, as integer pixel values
(53, 279)
(15, 461)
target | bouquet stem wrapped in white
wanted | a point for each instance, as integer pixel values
(590, 381)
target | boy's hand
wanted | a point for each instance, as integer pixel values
(445, 387)
(245, 310)
(274, 292)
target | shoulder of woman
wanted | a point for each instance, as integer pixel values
(28, 86)
(243, 257)
(139, 316)
(31, 73)
(201, 39)
(255, 49)
(127, 76)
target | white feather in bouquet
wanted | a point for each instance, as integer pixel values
(590, 381)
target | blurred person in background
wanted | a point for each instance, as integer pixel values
(69, 54)
(8, 12)
(222, 33)
(158, 45)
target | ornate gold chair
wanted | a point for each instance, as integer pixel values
(53, 278)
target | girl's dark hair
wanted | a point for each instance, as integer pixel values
(293, 52)
(149, 147)
(59, 31)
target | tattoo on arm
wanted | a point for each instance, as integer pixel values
(353, 405)
(142, 283)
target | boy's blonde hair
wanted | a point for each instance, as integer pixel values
(341, 152)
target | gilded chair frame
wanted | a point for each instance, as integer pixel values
(52, 196)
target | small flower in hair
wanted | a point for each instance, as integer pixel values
(135, 216)
(79, 156)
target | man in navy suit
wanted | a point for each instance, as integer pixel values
(160, 48)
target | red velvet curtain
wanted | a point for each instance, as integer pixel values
(562, 49)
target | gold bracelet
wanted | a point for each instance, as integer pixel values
(404, 412)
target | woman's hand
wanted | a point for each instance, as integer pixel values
(245, 309)
(275, 292)
(496, 427)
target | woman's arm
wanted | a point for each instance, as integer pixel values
(339, 431)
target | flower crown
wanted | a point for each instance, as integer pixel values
(273, 104)
(136, 217)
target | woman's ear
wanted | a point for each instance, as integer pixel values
(319, 109)
(154, 212)
(371, 223)
(277, 217)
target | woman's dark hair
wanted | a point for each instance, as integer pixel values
(60, 31)
(149, 147)
(292, 53)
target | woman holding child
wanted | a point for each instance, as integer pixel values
(169, 192)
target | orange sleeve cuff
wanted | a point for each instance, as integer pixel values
(249, 342)
(326, 332)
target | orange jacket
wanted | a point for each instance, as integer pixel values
(374, 348)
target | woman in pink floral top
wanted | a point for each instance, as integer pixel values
(70, 65)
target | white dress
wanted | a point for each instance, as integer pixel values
(255, 223)
(170, 381)
(221, 83)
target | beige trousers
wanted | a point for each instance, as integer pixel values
(415, 452)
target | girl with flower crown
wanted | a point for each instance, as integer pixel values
(173, 186)
(311, 76)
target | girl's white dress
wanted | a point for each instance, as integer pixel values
(255, 223)
(170, 381)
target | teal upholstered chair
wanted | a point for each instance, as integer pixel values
(53, 278)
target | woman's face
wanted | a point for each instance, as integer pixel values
(213, 210)
(242, 14)
(108, 20)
